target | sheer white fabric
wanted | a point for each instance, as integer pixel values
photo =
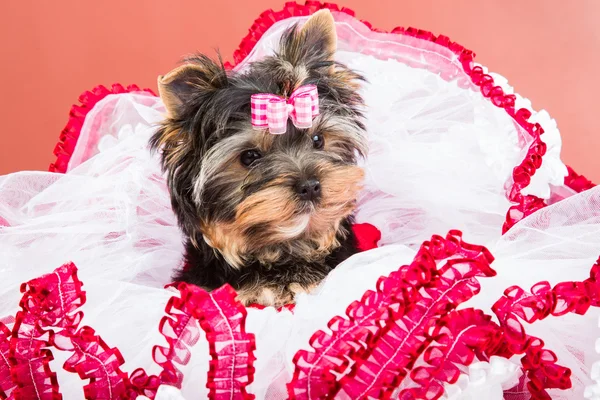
(592, 391)
(441, 157)
(556, 244)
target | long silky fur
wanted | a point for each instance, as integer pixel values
(223, 207)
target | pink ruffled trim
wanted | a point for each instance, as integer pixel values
(93, 359)
(385, 330)
(374, 350)
(456, 340)
(50, 317)
(6, 384)
(46, 302)
(540, 364)
(222, 318)
(50, 310)
(181, 331)
(577, 182)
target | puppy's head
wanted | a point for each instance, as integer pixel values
(250, 194)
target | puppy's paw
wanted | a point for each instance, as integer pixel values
(297, 288)
(272, 296)
(265, 296)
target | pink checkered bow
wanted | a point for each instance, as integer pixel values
(272, 111)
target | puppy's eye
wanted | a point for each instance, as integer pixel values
(318, 142)
(248, 157)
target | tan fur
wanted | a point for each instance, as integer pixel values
(269, 255)
(301, 74)
(269, 206)
(322, 21)
(340, 187)
(266, 296)
(275, 208)
(227, 240)
(336, 132)
(272, 296)
(174, 146)
(320, 25)
(263, 141)
(296, 288)
(169, 96)
(349, 78)
(174, 141)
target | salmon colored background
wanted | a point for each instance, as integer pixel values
(51, 51)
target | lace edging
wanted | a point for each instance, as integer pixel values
(456, 339)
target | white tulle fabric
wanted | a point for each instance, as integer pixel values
(441, 157)
(592, 391)
(421, 125)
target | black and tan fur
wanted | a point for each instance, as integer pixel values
(247, 225)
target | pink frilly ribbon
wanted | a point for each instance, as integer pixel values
(271, 112)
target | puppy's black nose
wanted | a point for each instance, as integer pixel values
(309, 190)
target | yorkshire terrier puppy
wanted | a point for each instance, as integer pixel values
(261, 165)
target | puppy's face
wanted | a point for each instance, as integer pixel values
(250, 194)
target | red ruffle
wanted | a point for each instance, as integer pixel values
(455, 341)
(181, 332)
(93, 359)
(577, 182)
(387, 329)
(411, 314)
(540, 364)
(222, 318)
(6, 383)
(51, 315)
(367, 236)
(46, 302)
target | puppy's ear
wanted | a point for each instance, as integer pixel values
(311, 45)
(190, 83)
